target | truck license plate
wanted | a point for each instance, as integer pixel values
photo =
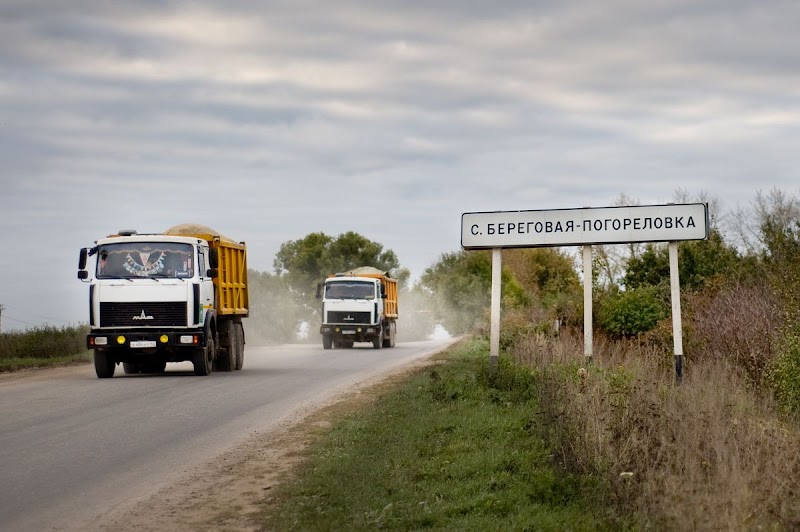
(143, 343)
(348, 332)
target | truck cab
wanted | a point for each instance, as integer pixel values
(153, 300)
(357, 308)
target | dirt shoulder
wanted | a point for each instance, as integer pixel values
(230, 492)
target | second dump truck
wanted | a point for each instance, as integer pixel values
(167, 297)
(359, 306)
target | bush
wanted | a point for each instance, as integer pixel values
(783, 375)
(42, 346)
(737, 324)
(632, 312)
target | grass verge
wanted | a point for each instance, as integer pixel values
(8, 365)
(453, 447)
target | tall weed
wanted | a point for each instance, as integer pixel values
(710, 454)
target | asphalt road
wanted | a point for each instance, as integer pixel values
(73, 447)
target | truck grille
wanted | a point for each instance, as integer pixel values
(335, 316)
(158, 314)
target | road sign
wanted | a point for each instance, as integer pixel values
(587, 226)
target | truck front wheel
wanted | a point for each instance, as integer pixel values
(204, 358)
(327, 341)
(104, 365)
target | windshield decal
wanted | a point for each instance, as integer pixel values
(146, 267)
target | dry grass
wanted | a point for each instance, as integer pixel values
(710, 454)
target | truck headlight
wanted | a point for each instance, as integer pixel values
(164, 338)
(120, 339)
(100, 340)
(186, 339)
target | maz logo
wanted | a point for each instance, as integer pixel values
(349, 318)
(143, 316)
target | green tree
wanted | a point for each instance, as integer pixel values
(461, 282)
(631, 312)
(698, 262)
(549, 278)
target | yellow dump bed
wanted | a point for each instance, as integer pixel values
(231, 282)
(232, 296)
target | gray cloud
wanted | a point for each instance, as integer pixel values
(269, 120)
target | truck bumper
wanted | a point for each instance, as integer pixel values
(147, 341)
(356, 333)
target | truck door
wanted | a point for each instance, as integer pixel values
(206, 282)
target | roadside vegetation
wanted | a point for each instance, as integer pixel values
(453, 447)
(551, 443)
(43, 347)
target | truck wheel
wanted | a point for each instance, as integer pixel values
(239, 346)
(204, 358)
(389, 342)
(131, 368)
(377, 342)
(327, 341)
(227, 354)
(387, 335)
(104, 365)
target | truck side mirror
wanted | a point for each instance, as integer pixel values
(213, 273)
(213, 257)
(383, 291)
(319, 290)
(82, 259)
(83, 274)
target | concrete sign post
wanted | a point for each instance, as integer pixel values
(587, 303)
(586, 227)
(494, 329)
(677, 326)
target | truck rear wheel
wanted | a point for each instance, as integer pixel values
(239, 346)
(227, 351)
(389, 341)
(204, 358)
(104, 365)
(327, 341)
(377, 342)
(131, 368)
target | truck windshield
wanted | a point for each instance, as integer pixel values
(349, 290)
(144, 259)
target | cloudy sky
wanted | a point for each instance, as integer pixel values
(268, 120)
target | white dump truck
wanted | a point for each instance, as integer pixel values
(166, 297)
(358, 306)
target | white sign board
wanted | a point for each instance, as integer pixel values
(576, 227)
